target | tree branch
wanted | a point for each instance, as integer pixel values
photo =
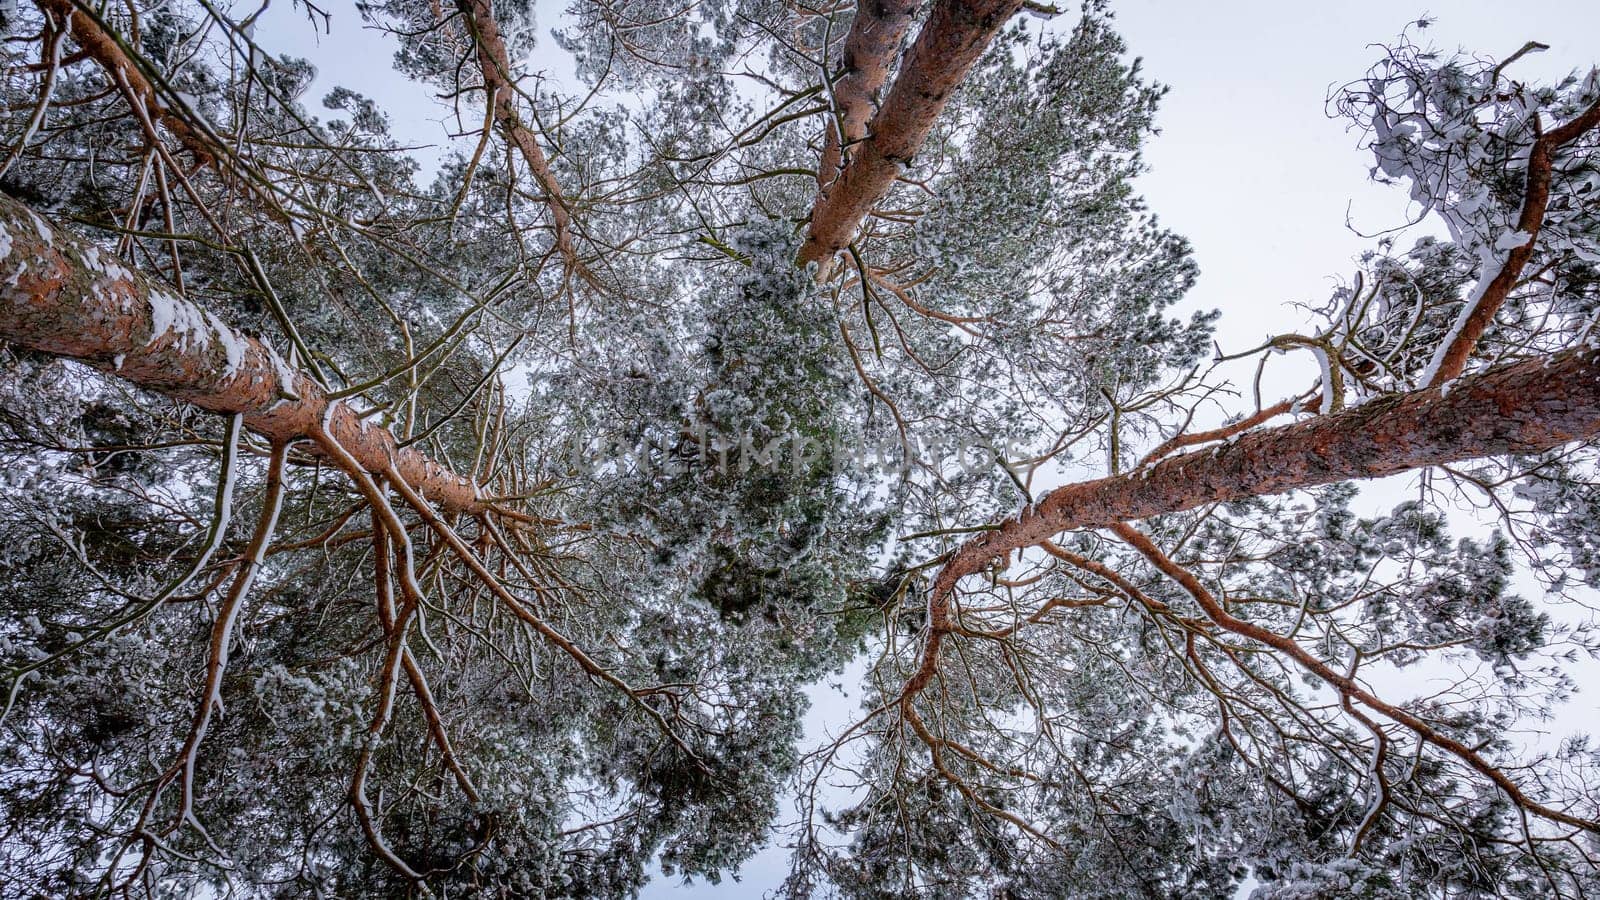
(869, 51)
(494, 63)
(63, 296)
(1526, 407)
(1451, 357)
(1347, 687)
(104, 49)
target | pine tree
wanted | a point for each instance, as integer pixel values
(373, 527)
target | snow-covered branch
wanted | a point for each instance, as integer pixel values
(64, 296)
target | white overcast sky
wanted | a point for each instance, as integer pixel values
(1248, 165)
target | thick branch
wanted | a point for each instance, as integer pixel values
(869, 51)
(494, 63)
(956, 34)
(63, 296)
(86, 30)
(1527, 407)
(1452, 357)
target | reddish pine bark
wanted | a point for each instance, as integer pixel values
(60, 295)
(1536, 199)
(494, 64)
(1525, 407)
(869, 51)
(955, 35)
(121, 69)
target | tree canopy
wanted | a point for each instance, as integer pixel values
(381, 524)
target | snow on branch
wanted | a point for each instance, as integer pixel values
(63, 296)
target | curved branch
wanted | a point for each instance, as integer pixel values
(494, 63)
(1478, 315)
(97, 42)
(1347, 687)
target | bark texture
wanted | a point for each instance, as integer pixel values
(63, 296)
(869, 51)
(98, 43)
(1526, 407)
(494, 64)
(956, 34)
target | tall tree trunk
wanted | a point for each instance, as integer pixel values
(956, 34)
(869, 52)
(63, 296)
